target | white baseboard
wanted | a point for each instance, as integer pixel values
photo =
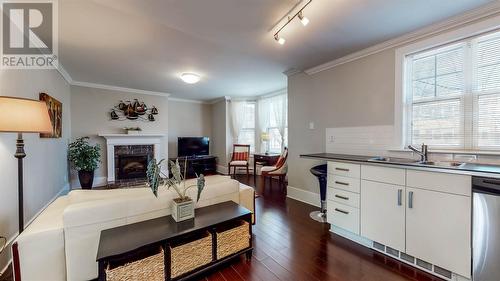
(302, 195)
(98, 181)
(222, 169)
(64, 190)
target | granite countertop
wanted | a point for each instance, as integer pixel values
(484, 169)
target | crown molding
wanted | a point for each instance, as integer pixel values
(64, 73)
(482, 12)
(189, 101)
(291, 71)
(224, 98)
(273, 93)
(119, 89)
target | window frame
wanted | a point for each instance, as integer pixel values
(403, 109)
(251, 129)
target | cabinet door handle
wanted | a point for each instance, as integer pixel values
(341, 197)
(400, 197)
(342, 169)
(410, 199)
(342, 211)
(341, 183)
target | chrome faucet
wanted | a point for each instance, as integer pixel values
(422, 152)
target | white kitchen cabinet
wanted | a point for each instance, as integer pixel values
(343, 197)
(344, 169)
(383, 174)
(383, 213)
(344, 183)
(438, 229)
(343, 216)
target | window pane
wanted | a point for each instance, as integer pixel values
(424, 88)
(424, 68)
(438, 73)
(274, 140)
(249, 115)
(488, 121)
(437, 123)
(450, 84)
(488, 63)
(247, 136)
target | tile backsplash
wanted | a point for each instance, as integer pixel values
(382, 141)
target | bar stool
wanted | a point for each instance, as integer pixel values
(320, 172)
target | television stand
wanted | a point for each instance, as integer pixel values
(203, 164)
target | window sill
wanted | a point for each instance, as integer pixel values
(453, 151)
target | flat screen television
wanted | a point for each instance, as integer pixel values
(192, 146)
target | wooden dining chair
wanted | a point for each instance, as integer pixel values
(240, 158)
(279, 170)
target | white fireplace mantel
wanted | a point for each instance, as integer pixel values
(113, 140)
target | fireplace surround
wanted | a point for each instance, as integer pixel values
(135, 151)
(131, 161)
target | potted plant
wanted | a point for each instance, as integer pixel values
(85, 158)
(182, 206)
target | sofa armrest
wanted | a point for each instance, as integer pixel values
(247, 199)
(36, 252)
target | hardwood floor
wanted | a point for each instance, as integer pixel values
(288, 245)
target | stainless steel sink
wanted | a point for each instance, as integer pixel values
(416, 162)
(393, 160)
(442, 164)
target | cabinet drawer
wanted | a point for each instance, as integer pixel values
(442, 182)
(343, 197)
(344, 183)
(344, 169)
(343, 216)
(383, 174)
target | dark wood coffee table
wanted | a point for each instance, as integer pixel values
(128, 243)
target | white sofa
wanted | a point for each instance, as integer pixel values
(61, 243)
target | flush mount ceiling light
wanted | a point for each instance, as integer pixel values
(190, 78)
(291, 16)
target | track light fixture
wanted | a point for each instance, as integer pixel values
(279, 39)
(304, 20)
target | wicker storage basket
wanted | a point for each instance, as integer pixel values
(190, 256)
(233, 240)
(151, 268)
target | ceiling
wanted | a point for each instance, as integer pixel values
(147, 44)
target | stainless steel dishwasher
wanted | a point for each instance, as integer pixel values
(485, 229)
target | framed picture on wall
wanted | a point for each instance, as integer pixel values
(55, 112)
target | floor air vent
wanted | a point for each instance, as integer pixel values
(407, 258)
(442, 271)
(392, 251)
(438, 271)
(379, 246)
(424, 264)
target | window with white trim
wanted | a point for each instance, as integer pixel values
(247, 131)
(452, 95)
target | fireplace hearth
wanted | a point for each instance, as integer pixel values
(131, 161)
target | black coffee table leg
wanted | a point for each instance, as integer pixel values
(248, 254)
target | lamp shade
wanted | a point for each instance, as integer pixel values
(264, 136)
(20, 115)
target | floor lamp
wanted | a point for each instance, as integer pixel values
(18, 115)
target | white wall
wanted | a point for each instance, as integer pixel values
(90, 109)
(221, 139)
(359, 93)
(188, 119)
(41, 185)
(354, 99)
